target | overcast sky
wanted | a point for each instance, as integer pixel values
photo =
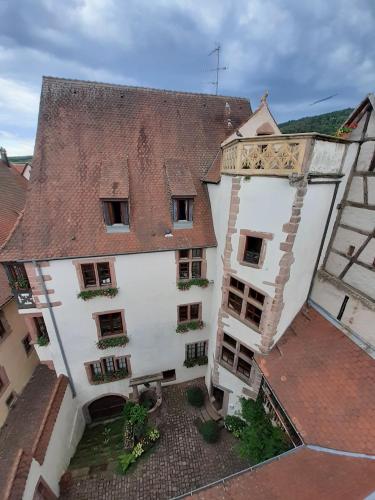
(299, 50)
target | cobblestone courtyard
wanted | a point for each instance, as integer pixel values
(181, 462)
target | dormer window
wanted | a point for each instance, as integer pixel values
(116, 215)
(183, 212)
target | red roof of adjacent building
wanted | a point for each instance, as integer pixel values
(303, 474)
(325, 383)
(12, 201)
(87, 129)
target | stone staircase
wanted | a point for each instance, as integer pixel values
(208, 412)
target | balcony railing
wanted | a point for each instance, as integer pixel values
(274, 155)
(24, 298)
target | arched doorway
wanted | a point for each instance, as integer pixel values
(106, 407)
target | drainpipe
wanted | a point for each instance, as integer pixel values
(325, 230)
(40, 275)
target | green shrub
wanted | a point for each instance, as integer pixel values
(234, 424)
(43, 340)
(112, 342)
(210, 431)
(195, 396)
(185, 285)
(101, 292)
(191, 325)
(125, 460)
(201, 360)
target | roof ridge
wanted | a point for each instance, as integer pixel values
(138, 87)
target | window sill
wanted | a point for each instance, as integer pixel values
(249, 264)
(117, 228)
(233, 372)
(106, 379)
(112, 341)
(183, 225)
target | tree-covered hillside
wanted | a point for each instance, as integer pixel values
(327, 123)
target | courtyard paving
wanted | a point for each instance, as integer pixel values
(181, 462)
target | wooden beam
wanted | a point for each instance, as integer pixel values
(354, 259)
(355, 229)
(359, 205)
(358, 262)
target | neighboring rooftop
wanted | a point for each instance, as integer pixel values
(301, 474)
(20, 159)
(12, 201)
(325, 383)
(86, 129)
(23, 424)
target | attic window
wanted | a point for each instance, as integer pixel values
(182, 212)
(116, 214)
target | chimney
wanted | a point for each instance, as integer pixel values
(4, 156)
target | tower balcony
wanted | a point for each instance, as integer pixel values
(282, 155)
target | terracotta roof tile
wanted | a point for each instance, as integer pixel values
(84, 126)
(114, 179)
(325, 383)
(304, 474)
(213, 175)
(180, 181)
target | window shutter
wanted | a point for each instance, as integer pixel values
(175, 211)
(107, 219)
(125, 212)
(190, 208)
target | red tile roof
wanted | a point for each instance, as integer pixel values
(180, 181)
(213, 175)
(25, 424)
(303, 474)
(325, 383)
(86, 127)
(12, 201)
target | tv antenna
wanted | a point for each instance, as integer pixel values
(218, 67)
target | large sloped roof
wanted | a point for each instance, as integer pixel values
(86, 129)
(303, 474)
(325, 383)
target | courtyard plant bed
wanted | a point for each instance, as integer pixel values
(100, 292)
(110, 377)
(191, 325)
(138, 436)
(201, 360)
(259, 440)
(112, 342)
(195, 396)
(43, 340)
(185, 285)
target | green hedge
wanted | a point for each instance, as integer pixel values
(201, 360)
(191, 325)
(185, 285)
(195, 396)
(210, 431)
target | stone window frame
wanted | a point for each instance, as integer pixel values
(30, 343)
(4, 381)
(6, 326)
(195, 343)
(244, 296)
(190, 259)
(88, 370)
(236, 351)
(95, 317)
(242, 246)
(199, 304)
(110, 260)
(31, 326)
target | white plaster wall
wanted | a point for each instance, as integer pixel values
(345, 237)
(326, 156)
(66, 434)
(365, 156)
(149, 296)
(359, 218)
(229, 380)
(357, 317)
(362, 279)
(356, 190)
(305, 250)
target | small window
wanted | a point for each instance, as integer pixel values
(110, 324)
(227, 356)
(245, 302)
(88, 274)
(229, 340)
(41, 327)
(196, 350)
(243, 367)
(190, 264)
(246, 351)
(11, 399)
(253, 247)
(183, 210)
(234, 302)
(189, 312)
(121, 363)
(109, 365)
(96, 274)
(96, 369)
(237, 284)
(259, 297)
(169, 375)
(253, 314)
(26, 342)
(116, 212)
(351, 250)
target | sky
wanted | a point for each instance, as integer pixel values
(300, 51)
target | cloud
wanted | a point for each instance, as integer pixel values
(299, 51)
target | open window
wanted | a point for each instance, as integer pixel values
(252, 248)
(182, 212)
(116, 215)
